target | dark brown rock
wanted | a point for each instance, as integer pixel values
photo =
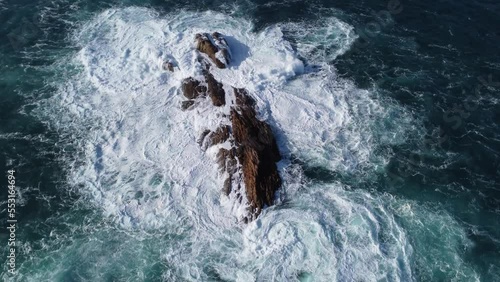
(254, 152)
(205, 45)
(215, 90)
(209, 138)
(254, 147)
(222, 46)
(257, 153)
(201, 89)
(260, 131)
(191, 87)
(220, 135)
(244, 100)
(226, 159)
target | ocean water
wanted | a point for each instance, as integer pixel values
(386, 113)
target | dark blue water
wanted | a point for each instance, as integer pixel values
(438, 60)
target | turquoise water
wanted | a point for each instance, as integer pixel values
(389, 126)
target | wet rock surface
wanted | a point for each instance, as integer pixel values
(187, 104)
(214, 47)
(248, 151)
(257, 152)
(215, 90)
(192, 89)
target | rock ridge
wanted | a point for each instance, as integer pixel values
(247, 149)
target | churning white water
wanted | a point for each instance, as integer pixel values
(138, 163)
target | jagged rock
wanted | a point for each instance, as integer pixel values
(257, 153)
(189, 88)
(222, 157)
(244, 100)
(192, 88)
(226, 160)
(254, 147)
(203, 136)
(263, 133)
(204, 44)
(228, 183)
(209, 138)
(220, 135)
(223, 47)
(187, 104)
(215, 90)
(253, 152)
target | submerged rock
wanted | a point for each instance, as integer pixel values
(168, 66)
(226, 159)
(187, 104)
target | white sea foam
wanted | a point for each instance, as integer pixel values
(141, 165)
(322, 40)
(140, 135)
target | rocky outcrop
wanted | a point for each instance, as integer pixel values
(226, 159)
(219, 136)
(247, 152)
(192, 88)
(223, 47)
(209, 138)
(257, 152)
(215, 90)
(215, 47)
